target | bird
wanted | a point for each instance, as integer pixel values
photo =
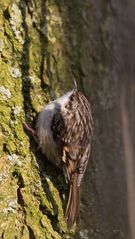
(64, 130)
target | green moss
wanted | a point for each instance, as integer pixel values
(10, 146)
(19, 131)
(44, 71)
(25, 234)
(10, 230)
(3, 5)
(46, 224)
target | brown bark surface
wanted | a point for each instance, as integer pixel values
(44, 45)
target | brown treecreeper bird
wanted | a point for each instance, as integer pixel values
(64, 129)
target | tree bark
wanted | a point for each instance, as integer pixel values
(33, 71)
(44, 45)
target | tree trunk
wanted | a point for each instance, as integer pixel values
(44, 45)
(33, 71)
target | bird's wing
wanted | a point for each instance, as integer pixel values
(74, 151)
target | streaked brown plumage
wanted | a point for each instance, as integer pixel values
(64, 130)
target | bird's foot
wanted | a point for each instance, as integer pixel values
(33, 133)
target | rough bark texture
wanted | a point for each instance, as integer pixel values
(44, 44)
(33, 70)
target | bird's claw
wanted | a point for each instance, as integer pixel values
(33, 133)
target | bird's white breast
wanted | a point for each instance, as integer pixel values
(43, 126)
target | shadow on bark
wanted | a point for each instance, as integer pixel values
(25, 64)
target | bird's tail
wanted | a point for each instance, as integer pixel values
(73, 205)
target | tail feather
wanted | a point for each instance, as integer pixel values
(73, 205)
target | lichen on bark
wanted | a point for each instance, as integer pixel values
(33, 71)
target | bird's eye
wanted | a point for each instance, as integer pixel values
(71, 97)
